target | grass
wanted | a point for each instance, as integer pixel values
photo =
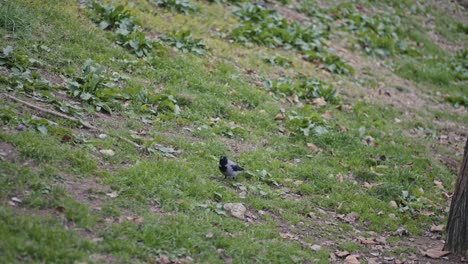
(197, 108)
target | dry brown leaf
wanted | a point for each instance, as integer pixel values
(436, 253)
(298, 182)
(293, 99)
(439, 184)
(351, 217)
(339, 177)
(437, 228)
(319, 101)
(163, 259)
(60, 209)
(215, 119)
(313, 147)
(352, 259)
(366, 240)
(369, 141)
(289, 236)
(341, 254)
(427, 213)
(327, 115)
(381, 240)
(446, 195)
(280, 116)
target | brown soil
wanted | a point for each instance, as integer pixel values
(8, 152)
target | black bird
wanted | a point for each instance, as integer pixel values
(228, 167)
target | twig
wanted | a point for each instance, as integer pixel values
(76, 120)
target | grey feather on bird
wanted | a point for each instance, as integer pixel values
(228, 167)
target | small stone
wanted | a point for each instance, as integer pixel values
(236, 209)
(107, 152)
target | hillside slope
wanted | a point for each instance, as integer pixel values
(349, 117)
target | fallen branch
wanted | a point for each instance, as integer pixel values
(76, 120)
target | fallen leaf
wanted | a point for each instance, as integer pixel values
(298, 182)
(319, 101)
(312, 147)
(339, 177)
(163, 259)
(60, 209)
(287, 235)
(381, 240)
(341, 254)
(401, 231)
(446, 195)
(293, 99)
(366, 241)
(112, 194)
(327, 115)
(437, 228)
(316, 247)
(439, 184)
(427, 213)
(311, 215)
(436, 253)
(280, 116)
(352, 259)
(163, 150)
(393, 204)
(369, 141)
(107, 152)
(351, 217)
(16, 200)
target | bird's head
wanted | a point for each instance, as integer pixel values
(223, 160)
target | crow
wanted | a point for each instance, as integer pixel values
(228, 167)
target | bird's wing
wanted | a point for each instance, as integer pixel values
(236, 167)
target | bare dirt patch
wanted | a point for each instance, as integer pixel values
(8, 152)
(87, 191)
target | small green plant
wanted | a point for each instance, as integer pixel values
(263, 26)
(127, 31)
(457, 100)
(136, 41)
(304, 88)
(331, 62)
(181, 6)
(183, 41)
(306, 123)
(94, 87)
(111, 17)
(267, 27)
(377, 35)
(15, 60)
(278, 60)
(459, 65)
